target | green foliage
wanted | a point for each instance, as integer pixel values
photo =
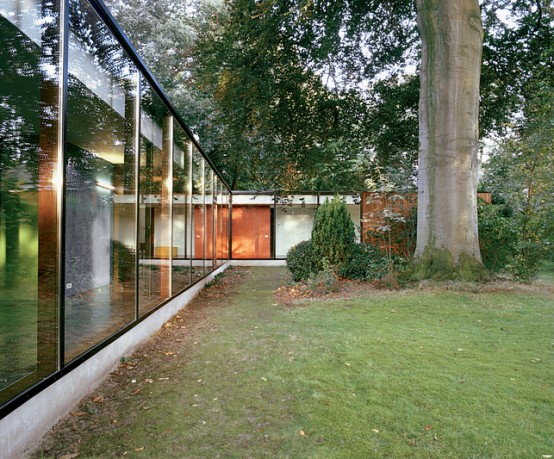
(521, 177)
(503, 245)
(527, 261)
(333, 233)
(124, 261)
(279, 81)
(497, 235)
(365, 263)
(302, 261)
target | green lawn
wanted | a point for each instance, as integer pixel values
(418, 374)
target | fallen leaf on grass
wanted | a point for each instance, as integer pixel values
(74, 455)
(77, 414)
(148, 380)
(139, 449)
(375, 430)
(98, 399)
(168, 353)
(136, 392)
(429, 427)
(302, 433)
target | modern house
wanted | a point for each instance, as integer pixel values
(111, 216)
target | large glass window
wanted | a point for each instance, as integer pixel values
(219, 224)
(294, 219)
(29, 193)
(199, 215)
(100, 192)
(181, 214)
(209, 221)
(154, 234)
(228, 204)
(107, 209)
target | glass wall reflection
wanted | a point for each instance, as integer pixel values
(29, 193)
(137, 199)
(181, 215)
(154, 234)
(199, 215)
(294, 218)
(209, 220)
(219, 224)
(100, 194)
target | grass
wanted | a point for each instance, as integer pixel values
(546, 274)
(418, 374)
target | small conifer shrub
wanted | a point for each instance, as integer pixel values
(333, 234)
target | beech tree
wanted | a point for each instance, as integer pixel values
(452, 36)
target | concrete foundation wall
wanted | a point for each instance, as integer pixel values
(258, 263)
(23, 428)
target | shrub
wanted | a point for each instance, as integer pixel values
(333, 234)
(302, 261)
(366, 262)
(497, 235)
(525, 263)
(502, 244)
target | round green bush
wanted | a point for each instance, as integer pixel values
(302, 261)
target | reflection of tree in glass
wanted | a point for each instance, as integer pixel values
(96, 38)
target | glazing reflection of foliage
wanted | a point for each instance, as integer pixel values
(28, 109)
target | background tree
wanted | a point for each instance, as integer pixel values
(521, 177)
(300, 87)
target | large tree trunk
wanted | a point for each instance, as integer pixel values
(452, 37)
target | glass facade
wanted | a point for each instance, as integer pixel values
(107, 206)
(182, 210)
(30, 193)
(100, 184)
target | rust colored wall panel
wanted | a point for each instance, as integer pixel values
(487, 197)
(251, 232)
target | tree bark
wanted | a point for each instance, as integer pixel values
(452, 37)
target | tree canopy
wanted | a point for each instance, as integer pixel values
(281, 92)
